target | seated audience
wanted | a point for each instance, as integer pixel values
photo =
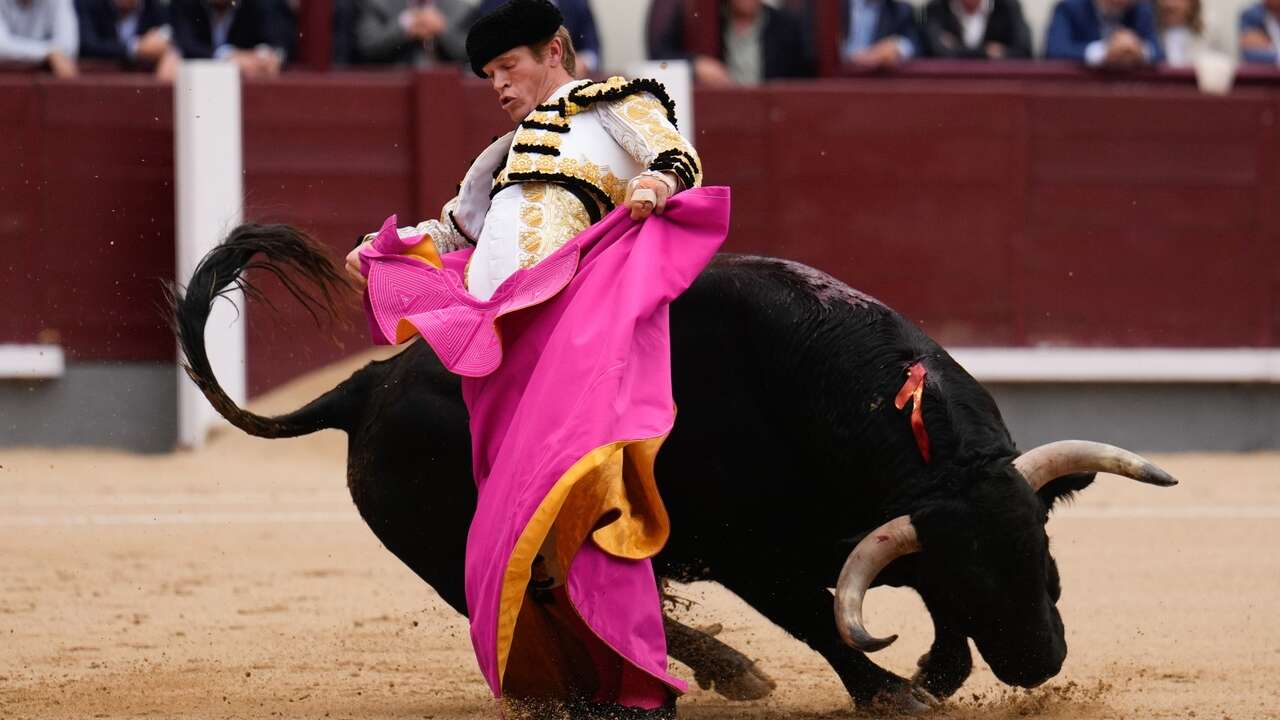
(1260, 33)
(878, 33)
(1115, 34)
(412, 32)
(757, 43)
(1181, 30)
(39, 32)
(976, 29)
(581, 24)
(132, 32)
(248, 33)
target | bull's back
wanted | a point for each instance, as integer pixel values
(785, 379)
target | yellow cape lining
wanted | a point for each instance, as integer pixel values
(609, 494)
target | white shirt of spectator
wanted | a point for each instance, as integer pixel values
(29, 31)
(220, 28)
(974, 26)
(1179, 46)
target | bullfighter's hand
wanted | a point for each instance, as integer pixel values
(645, 196)
(353, 267)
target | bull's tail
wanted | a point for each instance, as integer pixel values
(288, 253)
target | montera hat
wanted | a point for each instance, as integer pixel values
(515, 23)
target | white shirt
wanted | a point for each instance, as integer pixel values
(29, 33)
(1179, 46)
(974, 26)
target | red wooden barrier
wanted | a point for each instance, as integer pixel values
(996, 212)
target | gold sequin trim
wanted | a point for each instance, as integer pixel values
(551, 216)
(540, 138)
(598, 176)
(531, 215)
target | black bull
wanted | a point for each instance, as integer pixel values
(788, 451)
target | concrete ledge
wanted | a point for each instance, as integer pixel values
(130, 406)
(31, 362)
(1144, 417)
(1120, 365)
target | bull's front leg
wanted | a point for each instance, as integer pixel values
(733, 675)
(807, 614)
(947, 664)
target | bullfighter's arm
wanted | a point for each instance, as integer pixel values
(441, 234)
(639, 123)
(426, 241)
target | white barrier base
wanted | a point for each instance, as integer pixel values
(1069, 365)
(32, 362)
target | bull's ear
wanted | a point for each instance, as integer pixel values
(1065, 488)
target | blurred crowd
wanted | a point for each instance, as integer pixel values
(756, 41)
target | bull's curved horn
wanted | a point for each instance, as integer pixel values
(1041, 465)
(887, 542)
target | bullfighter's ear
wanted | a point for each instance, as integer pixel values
(1065, 488)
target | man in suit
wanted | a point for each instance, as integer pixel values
(879, 33)
(249, 33)
(412, 32)
(758, 43)
(1260, 33)
(1115, 34)
(133, 32)
(976, 29)
(582, 29)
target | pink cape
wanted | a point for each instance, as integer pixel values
(566, 366)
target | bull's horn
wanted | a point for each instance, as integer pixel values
(1041, 465)
(891, 540)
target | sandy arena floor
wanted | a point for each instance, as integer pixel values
(238, 582)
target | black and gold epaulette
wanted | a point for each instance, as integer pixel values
(615, 88)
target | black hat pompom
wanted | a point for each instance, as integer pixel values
(516, 23)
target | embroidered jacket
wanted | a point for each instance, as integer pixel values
(589, 141)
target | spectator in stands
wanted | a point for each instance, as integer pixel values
(1260, 33)
(757, 43)
(250, 33)
(1115, 34)
(39, 32)
(879, 33)
(976, 29)
(581, 24)
(135, 33)
(1181, 30)
(412, 32)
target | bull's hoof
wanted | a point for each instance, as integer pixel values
(942, 675)
(905, 700)
(737, 681)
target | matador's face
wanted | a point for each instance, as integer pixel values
(523, 78)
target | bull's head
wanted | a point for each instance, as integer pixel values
(984, 561)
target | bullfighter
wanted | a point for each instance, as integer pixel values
(545, 284)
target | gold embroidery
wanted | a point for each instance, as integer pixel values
(594, 90)
(539, 138)
(531, 215)
(647, 113)
(599, 176)
(552, 216)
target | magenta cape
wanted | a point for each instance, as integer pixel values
(567, 378)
